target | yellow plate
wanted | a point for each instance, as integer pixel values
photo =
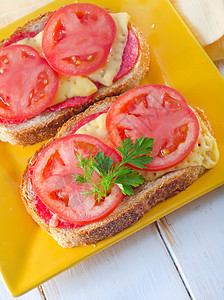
(28, 255)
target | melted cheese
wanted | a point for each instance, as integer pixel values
(96, 128)
(205, 152)
(109, 70)
(34, 42)
(71, 86)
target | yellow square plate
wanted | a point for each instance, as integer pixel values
(28, 255)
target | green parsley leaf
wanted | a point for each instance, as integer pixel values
(125, 188)
(133, 179)
(80, 178)
(102, 164)
(137, 154)
(129, 180)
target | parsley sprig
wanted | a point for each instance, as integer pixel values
(136, 154)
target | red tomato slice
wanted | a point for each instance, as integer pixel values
(27, 83)
(158, 112)
(77, 38)
(53, 182)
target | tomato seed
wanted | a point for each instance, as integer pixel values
(78, 62)
(183, 128)
(6, 61)
(1, 71)
(165, 151)
(4, 101)
(24, 54)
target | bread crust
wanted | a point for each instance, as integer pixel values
(132, 207)
(45, 125)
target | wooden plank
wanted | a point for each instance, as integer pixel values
(137, 267)
(14, 5)
(34, 294)
(194, 236)
(220, 66)
(13, 10)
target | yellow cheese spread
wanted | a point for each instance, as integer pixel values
(109, 70)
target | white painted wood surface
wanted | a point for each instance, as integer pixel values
(194, 235)
(139, 267)
(179, 257)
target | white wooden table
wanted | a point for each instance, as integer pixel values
(178, 257)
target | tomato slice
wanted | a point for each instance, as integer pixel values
(158, 112)
(77, 38)
(53, 182)
(27, 83)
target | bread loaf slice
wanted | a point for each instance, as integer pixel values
(131, 208)
(46, 124)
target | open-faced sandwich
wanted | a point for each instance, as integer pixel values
(58, 64)
(108, 166)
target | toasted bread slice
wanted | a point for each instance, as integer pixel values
(46, 124)
(132, 207)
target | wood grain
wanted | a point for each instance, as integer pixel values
(137, 267)
(13, 10)
(194, 235)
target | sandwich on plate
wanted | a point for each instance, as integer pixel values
(58, 64)
(109, 165)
